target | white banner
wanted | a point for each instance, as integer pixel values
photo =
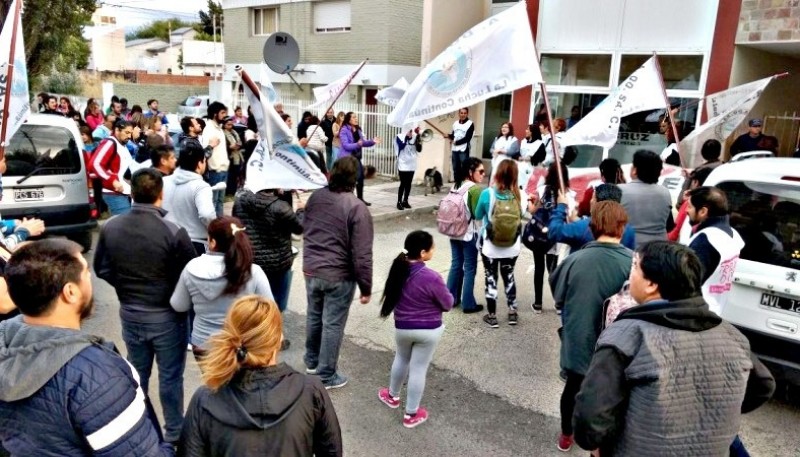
(325, 95)
(267, 89)
(721, 102)
(278, 162)
(390, 96)
(495, 57)
(19, 106)
(721, 127)
(642, 91)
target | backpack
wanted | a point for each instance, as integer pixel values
(616, 304)
(536, 231)
(453, 217)
(504, 222)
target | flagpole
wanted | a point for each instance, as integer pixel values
(556, 152)
(669, 112)
(9, 76)
(346, 85)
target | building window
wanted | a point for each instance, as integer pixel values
(680, 72)
(108, 20)
(265, 21)
(332, 16)
(591, 70)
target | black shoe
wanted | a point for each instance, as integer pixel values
(476, 309)
(537, 308)
(400, 206)
(406, 205)
(512, 318)
(491, 321)
(365, 202)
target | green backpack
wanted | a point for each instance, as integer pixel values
(504, 221)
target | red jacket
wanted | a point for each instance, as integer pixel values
(106, 162)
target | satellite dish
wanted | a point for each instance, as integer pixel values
(281, 53)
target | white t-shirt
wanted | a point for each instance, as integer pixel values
(527, 150)
(501, 144)
(407, 156)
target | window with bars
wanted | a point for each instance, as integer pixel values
(265, 21)
(332, 16)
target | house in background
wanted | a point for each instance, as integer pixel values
(145, 54)
(203, 58)
(106, 41)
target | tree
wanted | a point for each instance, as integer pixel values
(52, 32)
(158, 29)
(207, 19)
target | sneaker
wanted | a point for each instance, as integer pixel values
(387, 399)
(311, 370)
(400, 206)
(410, 421)
(406, 205)
(476, 309)
(335, 382)
(564, 442)
(512, 318)
(537, 308)
(491, 320)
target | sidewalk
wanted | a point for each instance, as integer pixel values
(382, 193)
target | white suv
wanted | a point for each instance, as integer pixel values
(764, 199)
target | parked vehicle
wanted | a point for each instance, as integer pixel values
(46, 178)
(764, 198)
(194, 105)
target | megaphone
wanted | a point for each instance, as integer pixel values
(426, 135)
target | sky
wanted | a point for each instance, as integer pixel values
(135, 13)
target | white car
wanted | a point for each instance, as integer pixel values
(194, 105)
(764, 199)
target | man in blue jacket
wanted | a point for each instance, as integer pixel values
(577, 234)
(63, 392)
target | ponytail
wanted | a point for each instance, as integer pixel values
(231, 239)
(416, 242)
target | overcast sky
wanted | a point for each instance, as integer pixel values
(135, 13)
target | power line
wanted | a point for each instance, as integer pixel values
(152, 10)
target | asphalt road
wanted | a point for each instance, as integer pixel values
(489, 391)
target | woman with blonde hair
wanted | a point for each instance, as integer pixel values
(337, 143)
(251, 404)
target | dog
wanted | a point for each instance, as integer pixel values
(433, 181)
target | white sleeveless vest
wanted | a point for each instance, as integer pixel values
(717, 288)
(459, 132)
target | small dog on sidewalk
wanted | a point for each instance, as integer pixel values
(433, 181)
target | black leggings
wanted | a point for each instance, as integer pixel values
(541, 260)
(571, 389)
(360, 181)
(405, 186)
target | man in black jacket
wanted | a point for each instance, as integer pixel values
(142, 256)
(327, 126)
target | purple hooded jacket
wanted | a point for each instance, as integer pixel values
(425, 297)
(349, 145)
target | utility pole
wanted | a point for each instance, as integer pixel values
(214, 27)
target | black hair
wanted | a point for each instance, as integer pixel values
(146, 186)
(306, 114)
(465, 108)
(202, 123)
(150, 102)
(469, 167)
(37, 273)
(214, 108)
(711, 150)
(285, 116)
(675, 268)
(648, 166)
(551, 180)
(510, 129)
(136, 109)
(610, 170)
(186, 124)
(120, 124)
(191, 155)
(251, 122)
(160, 152)
(123, 100)
(346, 121)
(416, 242)
(605, 192)
(710, 198)
(535, 133)
(700, 175)
(343, 175)
(114, 99)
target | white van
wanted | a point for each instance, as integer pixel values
(764, 199)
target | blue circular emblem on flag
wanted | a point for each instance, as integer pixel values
(449, 72)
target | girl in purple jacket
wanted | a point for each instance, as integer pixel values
(418, 296)
(353, 141)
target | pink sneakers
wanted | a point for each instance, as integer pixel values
(387, 399)
(564, 442)
(413, 421)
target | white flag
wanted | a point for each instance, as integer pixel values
(495, 57)
(642, 91)
(325, 95)
(723, 101)
(19, 106)
(267, 89)
(722, 126)
(390, 96)
(278, 162)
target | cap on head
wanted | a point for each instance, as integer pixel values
(755, 122)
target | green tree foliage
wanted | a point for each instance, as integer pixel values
(158, 29)
(52, 31)
(206, 25)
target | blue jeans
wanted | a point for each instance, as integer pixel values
(328, 308)
(457, 160)
(117, 203)
(280, 282)
(215, 177)
(463, 266)
(167, 343)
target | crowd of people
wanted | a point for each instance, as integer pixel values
(666, 377)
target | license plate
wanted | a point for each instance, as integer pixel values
(786, 304)
(27, 195)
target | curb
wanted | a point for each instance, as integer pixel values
(394, 215)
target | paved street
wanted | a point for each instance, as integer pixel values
(489, 392)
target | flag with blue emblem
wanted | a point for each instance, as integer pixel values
(495, 57)
(17, 90)
(278, 161)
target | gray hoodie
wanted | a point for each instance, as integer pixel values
(201, 287)
(188, 201)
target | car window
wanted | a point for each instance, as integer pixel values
(50, 148)
(767, 215)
